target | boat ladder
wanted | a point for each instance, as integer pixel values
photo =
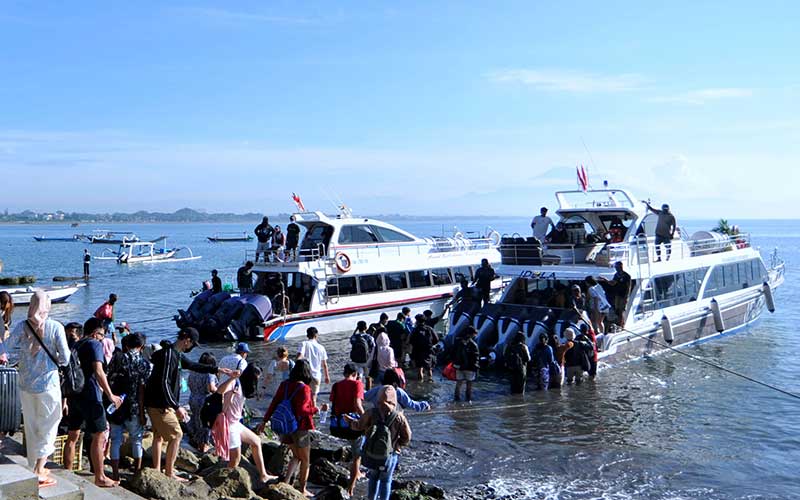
(331, 283)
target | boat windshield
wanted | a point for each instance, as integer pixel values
(318, 236)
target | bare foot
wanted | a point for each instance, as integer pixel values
(106, 482)
(308, 493)
(266, 478)
(179, 478)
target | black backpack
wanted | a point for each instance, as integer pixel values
(120, 382)
(71, 374)
(378, 445)
(212, 406)
(359, 353)
(249, 380)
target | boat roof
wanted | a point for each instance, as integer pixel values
(598, 200)
(345, 218)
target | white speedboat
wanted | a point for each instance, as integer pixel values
(712, 283)
(22, 295)
(145, 251)
(353, 268)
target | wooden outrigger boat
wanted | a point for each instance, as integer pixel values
(145, 251)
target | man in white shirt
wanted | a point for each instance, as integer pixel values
(317, 357)
(540, 224)
(236, 361)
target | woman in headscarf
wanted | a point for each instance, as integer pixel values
(386, 412)
(6, 308)
(41, 347)
(385, 356)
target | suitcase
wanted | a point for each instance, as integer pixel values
(10, 405)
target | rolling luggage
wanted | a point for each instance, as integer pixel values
(10, 405)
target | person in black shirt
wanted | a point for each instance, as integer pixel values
(264, 234)
(558, 236)
(244, 278)
(621, 285)
(87, 258)
(483, 280)
(216, 283)
(86, 408)
(423, 339)
(292, 239)
(162, 395)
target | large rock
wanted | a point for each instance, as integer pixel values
(151, 483)
(419, 488)
(326, 473)
(187, 461)
(278, 460)
(325, 446)
(280, 491)
(332, 493)
(232, 483)
(207, 461)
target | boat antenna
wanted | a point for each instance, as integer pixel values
(330, 200)
(591, 159)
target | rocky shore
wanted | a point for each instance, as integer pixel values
(209, 479)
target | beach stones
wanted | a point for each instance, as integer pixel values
(151, 483)
(324, 472)
(332, 493)
(187, 461)
(231, 483)
(280, 491)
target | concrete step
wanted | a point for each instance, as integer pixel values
(63, 490)
(18, 483)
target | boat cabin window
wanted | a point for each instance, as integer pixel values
(318, 234)
(462, 272)
(419, 279)
(390, 235)
(370, 283)
(347, 286)
(578, 230)
(361, 233)
(674, 289)
(396, 281)
(441, 277)
(735, 276)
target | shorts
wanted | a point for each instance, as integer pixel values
(263, 247)
(91, 415)
(235, 435)
(301, 439)
(424, 363)
(356, 445)
(467, 375)
(314, 384)
(165, 423)
(362, 369)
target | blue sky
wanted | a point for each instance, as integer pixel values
(419, 108)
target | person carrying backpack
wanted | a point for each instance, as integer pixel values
(576, 360)
(423, 338)
(128, 374)
(517, 358)
(362, 346)
(290, 415)
(467, 362)
(387, 432)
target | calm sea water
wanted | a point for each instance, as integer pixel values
(665, 427)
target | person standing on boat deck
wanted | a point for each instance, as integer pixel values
(87, 258)
(422, 341)
(558, 236)
(540, 224)
(292, 239)
(665, 229)
(41, 347)
(517, 358)
(467, 362)
(216, 283)
(278, 242)
(362, 348)
(317, 357)
(621, 284)
(244, 278)
(598, 303)
(162, 395)
(483, 280)
(264, 234)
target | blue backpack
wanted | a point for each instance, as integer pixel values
(283, 420)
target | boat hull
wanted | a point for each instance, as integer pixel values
(22, 296)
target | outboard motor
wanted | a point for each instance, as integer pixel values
(506, 328)
(533, 330)
(485, 324)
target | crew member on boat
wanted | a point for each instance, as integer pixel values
(540, 224)
(665, 229)
(620, 283)
(558, 236)
(264, 232)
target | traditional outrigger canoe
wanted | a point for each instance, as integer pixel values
(145, 251)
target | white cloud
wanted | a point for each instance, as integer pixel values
(569, 81)
(702, 96)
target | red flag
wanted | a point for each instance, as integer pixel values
(583, 178)
(298, 202)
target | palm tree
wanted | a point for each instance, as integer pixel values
(724, 228)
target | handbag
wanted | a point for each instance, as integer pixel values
(449, 372)
(71, 374)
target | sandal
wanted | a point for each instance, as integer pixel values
(46, 482)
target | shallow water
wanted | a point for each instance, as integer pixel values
(664, 427)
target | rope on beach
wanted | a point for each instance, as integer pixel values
(715, 365)
(471, 409)
(151, 320)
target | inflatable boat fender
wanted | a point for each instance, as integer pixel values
(768, 298)
(719, 323)
(666, 328)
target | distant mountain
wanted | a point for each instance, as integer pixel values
(182, 215)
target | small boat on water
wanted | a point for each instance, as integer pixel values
(111, 237)
(74, 237)
(145, 251)
(58, 293)
(230, 237)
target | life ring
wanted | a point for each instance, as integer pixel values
(342, 261)
(494, 237)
